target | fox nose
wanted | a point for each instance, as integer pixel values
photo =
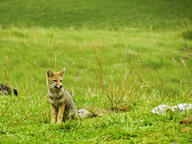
(58, 87)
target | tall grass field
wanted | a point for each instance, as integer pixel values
(122, 58)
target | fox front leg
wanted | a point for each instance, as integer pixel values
(60, 113)
(53, 114)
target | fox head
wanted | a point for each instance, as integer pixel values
(55, 79)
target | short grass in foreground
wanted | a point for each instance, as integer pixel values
(130, 68)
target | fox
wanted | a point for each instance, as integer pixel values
(7, 90)
(63, 107)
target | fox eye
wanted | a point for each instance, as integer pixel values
(55, 80)
(61, 80)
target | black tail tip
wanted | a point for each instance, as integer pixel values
(94, 115)
(15, 91)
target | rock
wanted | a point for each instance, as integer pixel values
(83, 113)
(161, 109)
(181, 107)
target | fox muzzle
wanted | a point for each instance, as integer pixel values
(58, 87)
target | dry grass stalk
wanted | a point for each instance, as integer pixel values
(100, 66)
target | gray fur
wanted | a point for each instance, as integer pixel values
(70, 108)
(7, 90)
(57, 98)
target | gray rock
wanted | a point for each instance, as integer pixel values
(83, 113)
(162, 109)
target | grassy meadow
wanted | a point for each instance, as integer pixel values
(122, 59)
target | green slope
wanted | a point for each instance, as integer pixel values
(155, 14)
(145, 48)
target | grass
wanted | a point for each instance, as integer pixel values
(109, 14)
(129, 67)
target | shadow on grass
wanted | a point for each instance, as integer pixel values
(187, 34)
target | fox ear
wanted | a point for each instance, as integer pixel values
(62, 72)
(49, 73)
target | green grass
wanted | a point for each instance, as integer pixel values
(145, 50)
(108, 14)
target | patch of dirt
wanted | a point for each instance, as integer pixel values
(187, 129)
(120, 109)
(97, 110)
(186, 120)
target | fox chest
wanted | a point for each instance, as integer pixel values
(56, 99)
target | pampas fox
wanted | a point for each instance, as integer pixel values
(62, 104)
(7, 90)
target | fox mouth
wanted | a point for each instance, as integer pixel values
(58, 87)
